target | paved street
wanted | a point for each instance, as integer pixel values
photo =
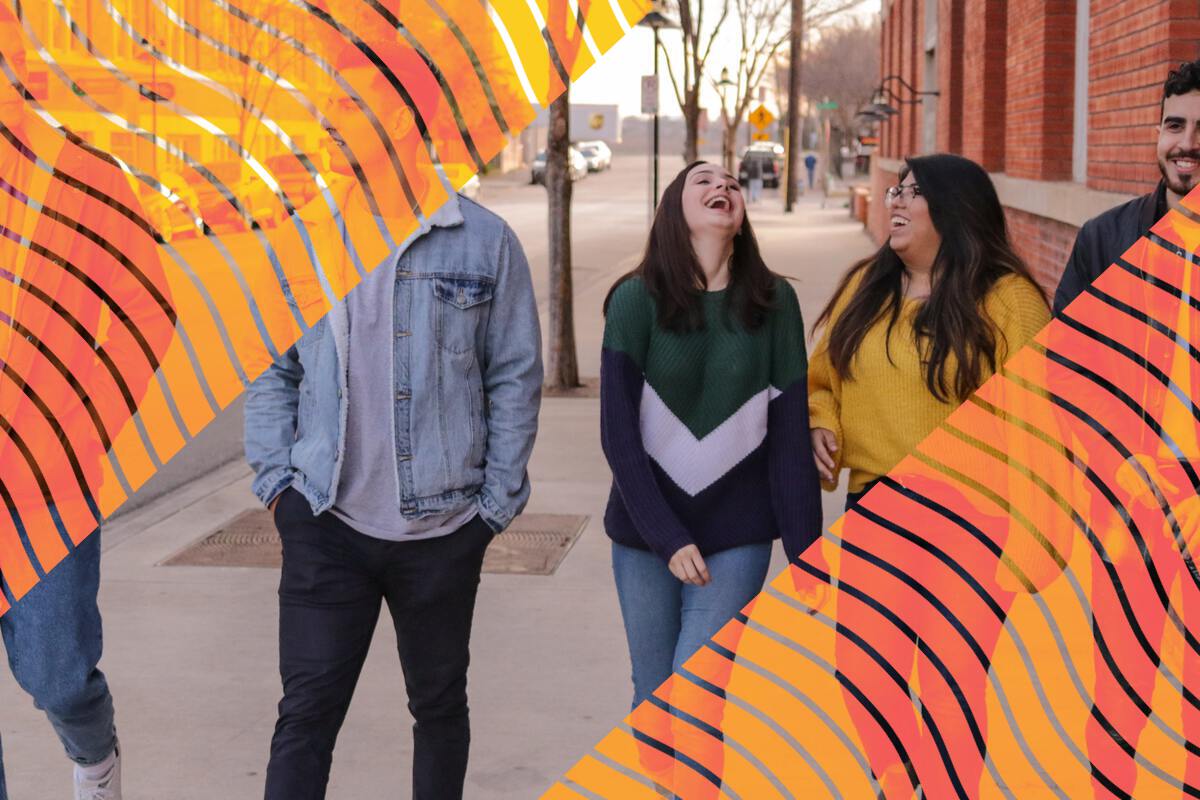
(191, 651)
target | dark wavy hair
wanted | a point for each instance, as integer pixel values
(1185, 78)
(974, 254)
(675, 279)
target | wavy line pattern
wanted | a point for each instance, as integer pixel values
(1012, 612)
(187, 186)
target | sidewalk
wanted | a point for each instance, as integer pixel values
(191, 651)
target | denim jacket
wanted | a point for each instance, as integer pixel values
(468, 374)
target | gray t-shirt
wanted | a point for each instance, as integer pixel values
(368, 492)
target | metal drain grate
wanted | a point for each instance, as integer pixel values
(535, 544)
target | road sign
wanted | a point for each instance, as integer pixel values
(761, 137)
(649, 94)
(761, 118)
(827, 106)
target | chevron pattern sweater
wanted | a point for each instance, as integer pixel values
(707, 432)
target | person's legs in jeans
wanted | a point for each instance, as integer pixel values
(430, 586)
(53, 639)
(329, 601)
(650, 598)
(737, 577)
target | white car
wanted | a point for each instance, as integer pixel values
(577, 166)
(464, 179)
(598, 155)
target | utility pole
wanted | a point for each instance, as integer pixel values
(793, 106)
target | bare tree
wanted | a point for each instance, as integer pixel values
(688, 77)
(764, 26)
(792, 112)
(259, 43)
(562, 362)
(844, 67)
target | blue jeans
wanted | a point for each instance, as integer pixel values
(52, 636)
(667, 620)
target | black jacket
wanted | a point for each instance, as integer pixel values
(1104, 239)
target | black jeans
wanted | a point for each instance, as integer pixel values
(331, 590)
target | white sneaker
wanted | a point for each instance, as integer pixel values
(105, 787)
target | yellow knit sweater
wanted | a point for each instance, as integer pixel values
(885, 410)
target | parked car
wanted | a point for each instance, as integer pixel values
(175, 216)
(771, 165)
(262, 205)
(576, 162)
(771, 147)
(216, 210)
(464, 179)
(598, 155)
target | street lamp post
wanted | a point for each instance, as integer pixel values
(726, 144)
(656, 21)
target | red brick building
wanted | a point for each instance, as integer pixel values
(1057, 99)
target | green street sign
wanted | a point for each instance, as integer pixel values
(830, 106)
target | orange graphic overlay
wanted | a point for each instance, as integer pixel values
(187, 186)
(1012, 612)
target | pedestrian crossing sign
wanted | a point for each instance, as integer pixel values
(761, 118)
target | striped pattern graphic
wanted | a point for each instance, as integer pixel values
(188, 186)
(1013, 611)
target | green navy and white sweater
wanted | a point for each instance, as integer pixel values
(707, 432)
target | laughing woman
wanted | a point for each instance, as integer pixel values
(704, 421)
(911, 332)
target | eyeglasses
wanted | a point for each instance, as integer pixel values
(908, 192)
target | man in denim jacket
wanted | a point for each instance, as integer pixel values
(391, 443)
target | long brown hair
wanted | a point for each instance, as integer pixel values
(974, 254)
(675, 279)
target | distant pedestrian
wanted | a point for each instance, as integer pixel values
(704, 422)
(810, 164)
(910, 333)
(754, 175)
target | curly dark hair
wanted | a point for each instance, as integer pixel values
(1184, 79)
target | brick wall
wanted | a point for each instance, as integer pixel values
(890, 65)
(1040, 90)
(985, 34)
(915, 17)
(1006, 70)
(1044, 243)
(950, 76)
(1133, 44)
(877, 219)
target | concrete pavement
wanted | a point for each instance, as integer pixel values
(191, 651)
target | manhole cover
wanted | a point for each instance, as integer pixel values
(535, 544)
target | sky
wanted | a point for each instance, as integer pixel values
(617, 76)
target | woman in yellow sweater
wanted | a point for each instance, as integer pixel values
(911, 332)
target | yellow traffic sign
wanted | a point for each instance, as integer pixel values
(761, 137)
(761, 118)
